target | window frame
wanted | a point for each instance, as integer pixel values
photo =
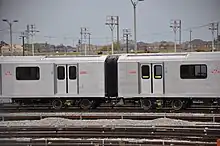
(64, 75)
(75, 73)
(155, 72)
(142, 76)
(195, 74)
(18, 75)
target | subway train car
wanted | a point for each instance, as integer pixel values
(174, 80)
(28, 80)
(170, 80)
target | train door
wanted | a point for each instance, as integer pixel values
(66, 79)
(152, 81)
(72, 79)
(157, 78)
(146, 79)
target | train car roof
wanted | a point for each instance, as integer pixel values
(20, 58)
(52, 59)
(170, 56)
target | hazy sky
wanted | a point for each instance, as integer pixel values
(63, 18)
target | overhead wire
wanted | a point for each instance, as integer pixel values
(108, 38)
(184, 29)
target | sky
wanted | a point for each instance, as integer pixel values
(59, 21)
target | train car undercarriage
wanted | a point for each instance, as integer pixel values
(146, 104)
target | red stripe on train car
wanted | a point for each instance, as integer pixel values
(132, 72)
(83, 72)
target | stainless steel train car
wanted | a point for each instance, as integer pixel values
(26, 80)
(170, 80)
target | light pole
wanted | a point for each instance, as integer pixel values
(10, 26)
(134, 3)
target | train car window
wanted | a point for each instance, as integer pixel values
(72, 72)
(60, 72)
(198, 71)
(27, 73)
(187, 71)
(145, 70)
(201, 72)
(158, 72)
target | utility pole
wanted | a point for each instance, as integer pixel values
(28, 33)
(175, 25)
(32, 39)
(190, 42)
(84, 31)
(111, 21)
(217, 29)
(118, 35)
(213, 28)
(23, 36)
(81, 38)
(33, 32)
(180, 32)
(126, 34)
(73, 44)
(28, 36)
(79, 45)
(49, 42)
(65, 48)
(89, 40)
(1, 49)
(217, 37)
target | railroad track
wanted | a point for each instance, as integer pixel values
(100, 142)
(94, 116)
(55, 131)
(34, 108)
(193, 134)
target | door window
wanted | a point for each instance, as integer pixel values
(60, 72)
(158, 72)
(72, 72)
(145, 70)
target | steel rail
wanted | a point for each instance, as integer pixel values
(191, 133)
(97, 142)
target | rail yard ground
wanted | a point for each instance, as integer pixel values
(94, 129)
(144, 131)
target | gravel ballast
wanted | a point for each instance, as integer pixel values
(62, 122)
